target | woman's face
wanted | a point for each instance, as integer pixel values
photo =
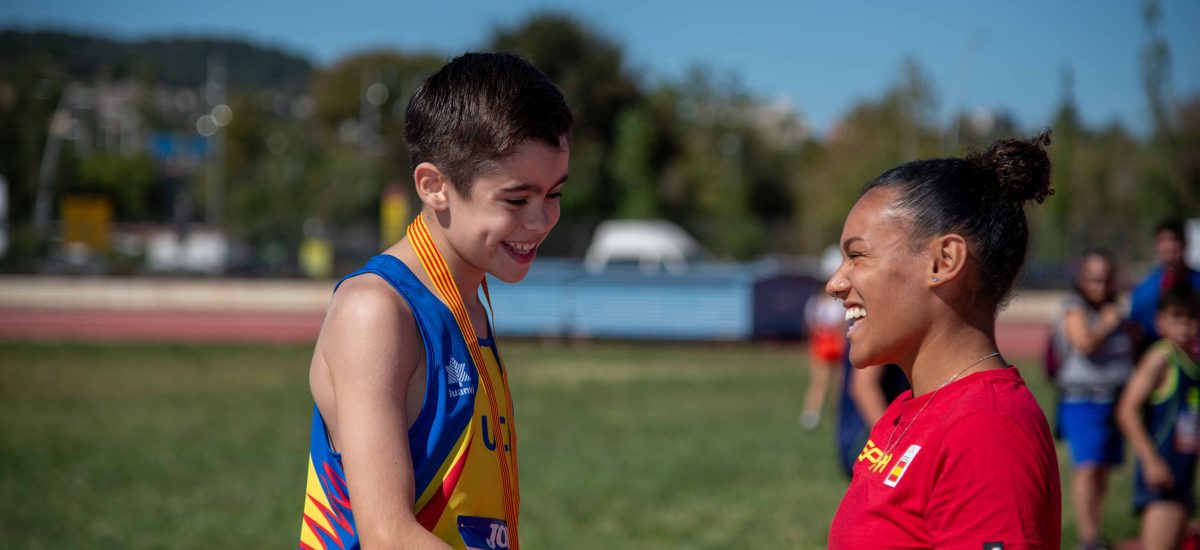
(882, 282)
(1096, 281)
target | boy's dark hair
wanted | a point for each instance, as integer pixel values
(979, 197)
(477, 109)
(1180, 301)
(1174, 227)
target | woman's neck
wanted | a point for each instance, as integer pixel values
(951, 351)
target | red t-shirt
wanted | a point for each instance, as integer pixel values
(977, 469)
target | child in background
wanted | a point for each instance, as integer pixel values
(826, 340)
(1096, 363)
(1159, 413)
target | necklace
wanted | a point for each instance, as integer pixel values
(887, 451)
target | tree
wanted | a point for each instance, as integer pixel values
(590, 68)
(874, 136)
(125, 180)
(346, 115)
(1164, 176)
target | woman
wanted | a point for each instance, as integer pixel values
(1097, 363)
(930, 252)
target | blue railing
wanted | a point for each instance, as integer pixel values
(560, 298)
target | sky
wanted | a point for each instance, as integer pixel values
(821, 57)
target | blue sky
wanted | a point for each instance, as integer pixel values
(822, 56)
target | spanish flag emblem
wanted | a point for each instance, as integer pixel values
(901, 466)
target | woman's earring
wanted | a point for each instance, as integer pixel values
(936, 279)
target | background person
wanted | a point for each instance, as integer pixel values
(1171, 271)
(865, 394)
(1096, 363)
(1159, 413)
(826, 323)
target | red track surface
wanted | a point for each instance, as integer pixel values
(1019, 340)
(158, 326)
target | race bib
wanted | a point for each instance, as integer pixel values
(1187, 432)
(483, 533)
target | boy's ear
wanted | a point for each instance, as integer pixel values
(433, 187)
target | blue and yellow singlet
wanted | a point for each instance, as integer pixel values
(463, 441)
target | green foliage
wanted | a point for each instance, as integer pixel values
(590, 68)
(169, 61)
(874, 136)
(737, 170)
(125, 180)
(27, 100)
(340, 89)
(632, 165)
(26, 247)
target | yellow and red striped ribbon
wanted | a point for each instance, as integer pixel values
(435, 266)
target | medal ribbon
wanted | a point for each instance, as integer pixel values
(435, 266)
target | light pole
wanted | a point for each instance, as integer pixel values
(219, 114)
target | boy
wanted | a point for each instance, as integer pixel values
(413, 441)
(1166, 386)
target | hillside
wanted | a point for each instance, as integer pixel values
(174, 62)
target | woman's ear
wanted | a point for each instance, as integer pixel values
(948, 255)
(433, 187)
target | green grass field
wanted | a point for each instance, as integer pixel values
(622, 446)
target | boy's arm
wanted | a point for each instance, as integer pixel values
(1148, 376)
(1086, 338)
(372, 349)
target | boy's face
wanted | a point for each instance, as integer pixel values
(509, 210)
(1176, 327)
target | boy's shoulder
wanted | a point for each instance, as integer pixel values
(369, 329)
(1164, 348)
(368, 301)
(364, 289)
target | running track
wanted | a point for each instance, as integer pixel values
(146, 309)
(1024, 339)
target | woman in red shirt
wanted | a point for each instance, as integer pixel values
(930, 252)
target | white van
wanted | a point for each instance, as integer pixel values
(651, 244)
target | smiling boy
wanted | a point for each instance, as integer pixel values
(413, 436)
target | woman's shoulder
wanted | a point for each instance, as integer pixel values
(994, 396)
(1020, 428)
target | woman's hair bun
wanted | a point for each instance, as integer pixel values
(1020, 167)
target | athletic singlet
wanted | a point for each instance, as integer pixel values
(1173, 411)
(454, 450)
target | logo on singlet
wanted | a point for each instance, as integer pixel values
(456, 374)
